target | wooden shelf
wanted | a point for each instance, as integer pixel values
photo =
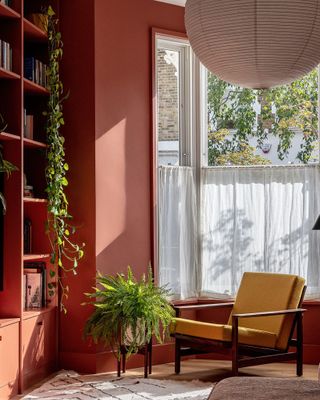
(6, 74)
(8, 12)
(5, 136)
(37, 311)
(33, 144)
(35, 257)
(8, 321)
(33, 88)
(33, 200)
(32, 32)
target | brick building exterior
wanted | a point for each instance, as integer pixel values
(168, 95)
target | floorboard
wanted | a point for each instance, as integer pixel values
(209, 370)
(213, 371)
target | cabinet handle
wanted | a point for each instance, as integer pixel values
(0, 338)
(40, 323)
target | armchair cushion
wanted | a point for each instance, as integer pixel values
(268, 292)
(223, 333)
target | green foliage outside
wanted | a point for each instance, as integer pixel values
(128, 312)
(231, 107)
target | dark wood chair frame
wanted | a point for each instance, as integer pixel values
(242, 355)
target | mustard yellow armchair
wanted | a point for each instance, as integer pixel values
(260, 328)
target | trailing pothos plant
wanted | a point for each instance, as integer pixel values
(66, 253)
(5, 166)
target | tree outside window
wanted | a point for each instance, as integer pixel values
(243, 124)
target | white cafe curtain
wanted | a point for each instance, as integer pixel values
(177, 231)
(251, 219)
(259, 219)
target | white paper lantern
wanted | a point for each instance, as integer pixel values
(255, 43)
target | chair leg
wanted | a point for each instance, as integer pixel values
(235, 370)
(235, 353)
(177, 364)
(299, 345)
(150, 357)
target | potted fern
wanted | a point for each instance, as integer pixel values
(128, 312)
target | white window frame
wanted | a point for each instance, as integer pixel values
(181, 46)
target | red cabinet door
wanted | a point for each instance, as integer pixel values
(33, 343)
(9, 354)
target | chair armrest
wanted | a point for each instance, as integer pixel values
(202, 306)
(269, 313)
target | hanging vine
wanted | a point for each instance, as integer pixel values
(66, 253)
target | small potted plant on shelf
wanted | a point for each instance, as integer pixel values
(5, 166)
(128, 313)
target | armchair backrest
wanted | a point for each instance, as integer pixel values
(260, 291)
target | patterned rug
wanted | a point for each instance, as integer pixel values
(70, 385)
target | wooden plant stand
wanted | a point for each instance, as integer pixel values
(145, 350)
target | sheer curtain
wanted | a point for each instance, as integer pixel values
(177, 230)
(258, 219)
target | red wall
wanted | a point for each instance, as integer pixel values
(123, 128)
(107, 67)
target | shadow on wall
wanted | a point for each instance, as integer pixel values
(122, 202)
(236, 245)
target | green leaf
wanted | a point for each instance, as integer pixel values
(50, 12)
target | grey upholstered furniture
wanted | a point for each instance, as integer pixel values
(247, 388)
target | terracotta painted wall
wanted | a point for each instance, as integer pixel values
(123, 127)
(77, 27)
(107, 67)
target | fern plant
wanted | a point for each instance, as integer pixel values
(128, 312)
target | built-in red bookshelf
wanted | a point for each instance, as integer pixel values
(29, 336)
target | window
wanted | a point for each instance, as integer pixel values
(173, 101)
(238, 180)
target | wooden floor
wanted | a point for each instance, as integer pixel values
(213, 371)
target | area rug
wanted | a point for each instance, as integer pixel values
(70, 385)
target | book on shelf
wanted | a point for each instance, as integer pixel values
(28, 125)
(27, 236)
(34, 281)
(35, 71)
(5, 55)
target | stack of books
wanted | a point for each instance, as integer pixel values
(5, 55)
(34, 285)
(35, 71)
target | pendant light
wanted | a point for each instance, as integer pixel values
(255, 43)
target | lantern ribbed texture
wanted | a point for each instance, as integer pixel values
(255, 43)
